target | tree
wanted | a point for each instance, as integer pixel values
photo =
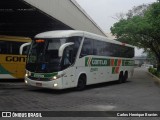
(141, 30)
(152, 58)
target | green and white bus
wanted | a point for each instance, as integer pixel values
(71, 58)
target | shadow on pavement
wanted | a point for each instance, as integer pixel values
(12, 84)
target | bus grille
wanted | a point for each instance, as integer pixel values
(39, 79)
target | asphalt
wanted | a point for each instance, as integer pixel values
(140, 93)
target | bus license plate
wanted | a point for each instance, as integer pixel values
(39, 84)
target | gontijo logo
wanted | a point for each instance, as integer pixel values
(97, 61)
(114, 63)
(38, 75)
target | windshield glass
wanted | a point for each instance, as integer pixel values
(43, 54)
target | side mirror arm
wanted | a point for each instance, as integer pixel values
(61, 49)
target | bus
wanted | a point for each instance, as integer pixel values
(12, 63)
(70, 58)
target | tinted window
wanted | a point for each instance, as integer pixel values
(45, 52)
(121, 51)
(7, 47)
(98, 48)
(4, 47)
(77, 42)
(25, 50)
(15, 46)
(87, 48)
(102, 48)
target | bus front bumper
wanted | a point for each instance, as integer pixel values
(53, 84)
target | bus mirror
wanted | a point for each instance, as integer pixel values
(21, 50)
(61, 49)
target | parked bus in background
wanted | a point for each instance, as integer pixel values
(70, 58)
(12, 63)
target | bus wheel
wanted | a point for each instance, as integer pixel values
(120, 80)
(81, 83)
(125, 77)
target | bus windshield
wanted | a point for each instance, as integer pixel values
(43, 54)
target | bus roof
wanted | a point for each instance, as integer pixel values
(70, 33)
(15, 38)
(59, 34)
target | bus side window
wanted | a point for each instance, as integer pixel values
(4, 47)
(87, 48)
(15, 47)
(77, 41)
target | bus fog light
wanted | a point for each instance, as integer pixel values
(26, 81)
(55, 85)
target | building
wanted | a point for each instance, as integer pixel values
(30, 17)
(139, 60)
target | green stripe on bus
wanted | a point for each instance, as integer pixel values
(113, 70)
(128, 63)
(98, 62)
(44, 75)
(3, 70)
(115, 62)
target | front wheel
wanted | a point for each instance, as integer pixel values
(81, 84)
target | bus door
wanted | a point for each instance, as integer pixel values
(67, 64)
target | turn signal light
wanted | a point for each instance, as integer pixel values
(39, 41)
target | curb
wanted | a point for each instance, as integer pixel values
(155, 78)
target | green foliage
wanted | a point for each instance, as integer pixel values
(141, 30)
(154, 72)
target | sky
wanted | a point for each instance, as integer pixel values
(103, 12)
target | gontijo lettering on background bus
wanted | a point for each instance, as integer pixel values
(15, 59)
(13, 50)
(12, 66)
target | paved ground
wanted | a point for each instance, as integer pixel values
(139, 94)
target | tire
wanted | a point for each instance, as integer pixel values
(125, 77)
(81, 83)
(120, 80)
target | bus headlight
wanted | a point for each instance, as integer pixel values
(57, 76)
(27, 74)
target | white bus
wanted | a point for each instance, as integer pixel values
(71, 58)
